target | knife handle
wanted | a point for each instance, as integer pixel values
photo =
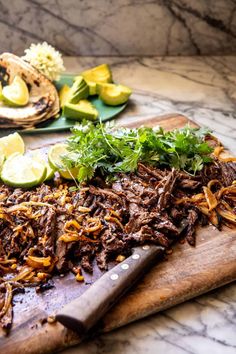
(82, 313)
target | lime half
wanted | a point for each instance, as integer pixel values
(2, 159)
(50, 172)
(70, 173)
(17, 93)
(55, 160)
(38, 156)
(23, 171)
(12, 143)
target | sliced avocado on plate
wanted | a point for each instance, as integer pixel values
(114, 95)
(82, 110)
(101, 73)
(62, 123)
(98, 74)
(78, 91)
(63, 95)
(92, 87)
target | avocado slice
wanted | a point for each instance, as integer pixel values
(78, 91)
(82, 110)
(92, 87)
(91, 84)
(100, 73)
(63, 95)
(100, 85)
(113, 95)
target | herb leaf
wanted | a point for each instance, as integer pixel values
(110, 150)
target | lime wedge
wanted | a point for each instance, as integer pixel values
(12, 143)
(55, 161)
(50, 172)
(22, 171)
(0, 91)
(54, 155)
(2, 159)
(17, 93)
(38, 156)
(70, 173)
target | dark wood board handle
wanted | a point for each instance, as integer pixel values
(84, 312)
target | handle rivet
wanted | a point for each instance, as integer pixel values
(114, 276)
(135, 256)
(125, 266)
(146, 247)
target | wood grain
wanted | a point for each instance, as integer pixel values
(83, 313)
(188, 272)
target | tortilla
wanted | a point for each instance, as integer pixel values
(43, 101)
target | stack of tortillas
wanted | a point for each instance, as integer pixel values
(43, 98)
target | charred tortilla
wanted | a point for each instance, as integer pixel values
(43, 102)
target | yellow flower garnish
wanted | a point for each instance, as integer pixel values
(46, 59)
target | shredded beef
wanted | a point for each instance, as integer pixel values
(165, 189)
(136, 208)
(192, 219)
(223, 171)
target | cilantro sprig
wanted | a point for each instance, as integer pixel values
(111, 150)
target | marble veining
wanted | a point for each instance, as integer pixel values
(121, 27)
(204, 325)
(204, 89)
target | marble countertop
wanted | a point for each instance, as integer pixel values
(124, 27)
(204, 89)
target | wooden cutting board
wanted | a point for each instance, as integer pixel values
(188, 272)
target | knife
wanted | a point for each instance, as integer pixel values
(84, 312)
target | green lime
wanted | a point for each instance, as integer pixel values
(70, 173)
(17, 93)
(22, 171)
(50, 172)
(2, 159)
(54, 157)
(0, 91)
(11, 144)
(38, 156)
